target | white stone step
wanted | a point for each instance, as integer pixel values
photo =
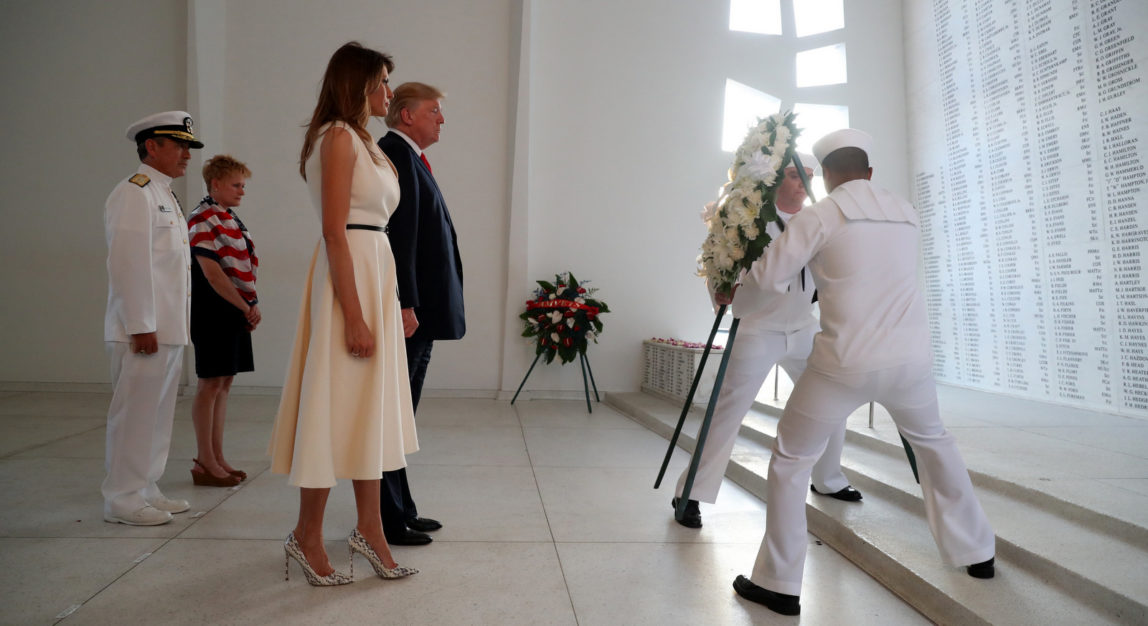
(1057, 562)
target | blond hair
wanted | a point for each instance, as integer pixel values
(221, 166)
(408, 96)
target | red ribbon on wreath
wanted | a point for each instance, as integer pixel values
(560, 304)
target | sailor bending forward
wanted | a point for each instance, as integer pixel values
(861, 244)
(775, 328)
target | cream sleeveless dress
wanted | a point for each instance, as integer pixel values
(342, 416)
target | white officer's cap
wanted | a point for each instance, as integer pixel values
(808, 162)
(844, 138)
(176, 125)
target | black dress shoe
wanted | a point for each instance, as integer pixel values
(423, 524)
(848, 494)
(776, 602)
(408, 537)
(983, 569)
(692, 518)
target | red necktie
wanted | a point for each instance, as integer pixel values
(426, 162)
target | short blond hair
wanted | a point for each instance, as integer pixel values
(221, 166)
(408, 96)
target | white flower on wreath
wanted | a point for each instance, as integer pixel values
(721, 258)
(709, 211)
(738, 214)
(753, 179)
(569, 322)
(756, 167)
(590, 336)
(735, 196)
(554, 337)
(555, 316)
(754, 142)
(754, 200)
(579, 300)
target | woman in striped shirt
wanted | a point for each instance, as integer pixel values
(224, 311)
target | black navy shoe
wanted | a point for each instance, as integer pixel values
(423, 524)
(984, 569)
(848, 494)
(692, 518)
(776, 602)
(407, 537)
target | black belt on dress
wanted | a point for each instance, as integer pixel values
(377, 229)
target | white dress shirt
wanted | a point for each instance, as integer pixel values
(770, 311)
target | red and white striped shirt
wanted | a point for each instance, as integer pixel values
(218, 234)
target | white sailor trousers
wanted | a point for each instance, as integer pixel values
(820, 402)
(753, 354)
(139, 424)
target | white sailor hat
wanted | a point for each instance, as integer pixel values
(844, 138)
(808, 162)
(176, 125)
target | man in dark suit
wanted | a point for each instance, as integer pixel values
(429, 271)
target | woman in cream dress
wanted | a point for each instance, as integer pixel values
(346, 409)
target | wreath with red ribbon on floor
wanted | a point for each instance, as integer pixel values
(563, 317)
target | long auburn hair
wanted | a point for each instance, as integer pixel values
(352, 73)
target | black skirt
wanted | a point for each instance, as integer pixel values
(218, 331)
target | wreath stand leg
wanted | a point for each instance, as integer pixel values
(585, 385)
(538, 356)
(680, 511)
(690, 396)
(586, 360)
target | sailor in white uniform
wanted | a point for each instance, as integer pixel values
(861, 243)
(775, 328)
(146, 324)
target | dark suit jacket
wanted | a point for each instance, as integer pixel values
(423, 241)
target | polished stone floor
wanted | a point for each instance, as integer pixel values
(549, 518)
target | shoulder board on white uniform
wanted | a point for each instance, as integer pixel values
(140, 180)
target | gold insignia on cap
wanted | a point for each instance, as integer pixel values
(178, 134)
(188, 125)
(139, 179)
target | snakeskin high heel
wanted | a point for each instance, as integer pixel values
(357, 543)
(294, 551)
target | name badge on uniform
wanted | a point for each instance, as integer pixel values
(163, 209)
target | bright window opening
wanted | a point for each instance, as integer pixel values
(755, 16)
(821, 66)
(818, 120)
(815, 121)
(744, 105)
(818, 16)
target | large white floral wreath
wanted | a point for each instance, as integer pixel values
(737, 219)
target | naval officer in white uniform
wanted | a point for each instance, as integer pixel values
(775, 328)
(861, 243)
(146, 324)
